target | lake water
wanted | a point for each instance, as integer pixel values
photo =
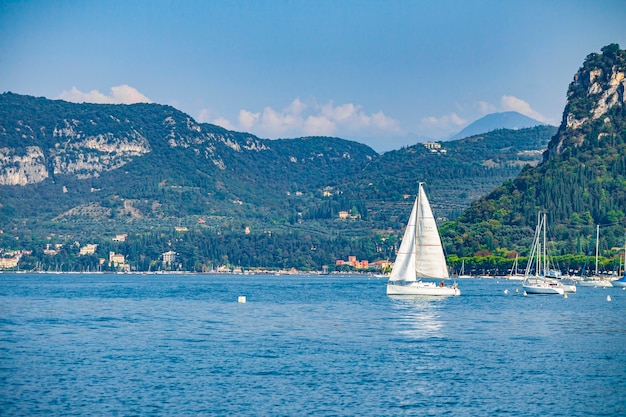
(181, 345)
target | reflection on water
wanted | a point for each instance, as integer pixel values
(419, 316)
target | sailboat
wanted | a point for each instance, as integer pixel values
(420, 256)
(622, 281)
(538, 282)
(514, 275)
(462, 274)
(596, 280)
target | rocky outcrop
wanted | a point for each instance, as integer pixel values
(593, 100)
(18, 168)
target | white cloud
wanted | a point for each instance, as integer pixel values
(303, 119)
(444, 122)
(512, 103)
(121, 94)
(485, 107)
(204, 115)
(319, 126)
(439, 127)
(220, 121)
(247, 119)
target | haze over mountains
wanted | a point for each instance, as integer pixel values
(504, 120)
(84, 173)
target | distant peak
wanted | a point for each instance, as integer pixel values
(494, 121)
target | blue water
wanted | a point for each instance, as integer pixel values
(181, 345)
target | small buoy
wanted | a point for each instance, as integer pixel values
(525, 294)
(241, 299)
(516, 290)
(608, 298)
(564, 295)
(506, 291)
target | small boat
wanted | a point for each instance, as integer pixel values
(539, 283)
(515, 275)
(462, 274)
(619, 282)
(622, 281)
(596, 280)
(569, 285)
(420, 256)
(542, 285)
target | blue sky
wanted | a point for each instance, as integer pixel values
(384, 73)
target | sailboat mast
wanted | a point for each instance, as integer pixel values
(597, 245)
(624, 268)
(545, 252)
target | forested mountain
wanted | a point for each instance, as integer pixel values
(72, 174)
(148, 162)
(580, 183)
(456, 172)
(85, 173)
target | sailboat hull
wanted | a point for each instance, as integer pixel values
(595, 283)
(539, 285)
(569, 288)
(421, 288)
(619, 283)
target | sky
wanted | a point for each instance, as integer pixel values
(386, 73)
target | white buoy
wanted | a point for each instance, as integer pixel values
(516, 290)
(564, 295)
(525, 294)
(608, 298)
(241, 299)
(506, 291)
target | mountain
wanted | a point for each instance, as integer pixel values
(151, 162)
(580, 183)
(83, 173)
(456, 172)
(505, 120)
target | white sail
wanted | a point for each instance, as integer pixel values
(404, 266)
(420, 256)
(430, 262)
(421, 253)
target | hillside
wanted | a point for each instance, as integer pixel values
(580, 183)
(86, 173)
(456, 172)
(147, 162)
(504, 120)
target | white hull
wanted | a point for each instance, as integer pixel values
(530, 289)
(595, 283)
(569, 288)
(539, 285)
(421, 288)
(619, 283)
(515, 277)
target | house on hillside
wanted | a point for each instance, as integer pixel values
(88, 249)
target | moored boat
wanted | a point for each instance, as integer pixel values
(535, 280)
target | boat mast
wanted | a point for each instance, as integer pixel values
(597, 245)
(545, 252)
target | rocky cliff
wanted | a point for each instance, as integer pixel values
(595, 102)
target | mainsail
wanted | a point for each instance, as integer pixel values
(404, 266)
(421, 253)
